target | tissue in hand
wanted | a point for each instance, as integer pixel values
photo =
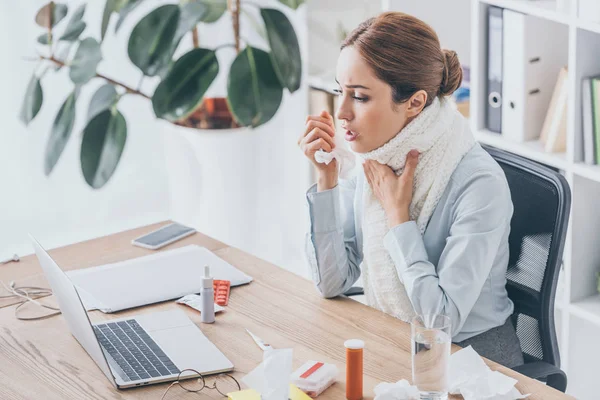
(345, 158)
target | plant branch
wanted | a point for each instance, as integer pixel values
(195, 37)
(236, 26)
(49, 26)
(128, 89)
(235, 16)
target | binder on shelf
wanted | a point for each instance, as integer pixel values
(596, 114)
(587, 122)
(534, 52)
(554, 130)
(494, 73)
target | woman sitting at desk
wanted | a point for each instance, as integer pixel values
(427, 219)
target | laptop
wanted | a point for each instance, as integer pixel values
(136, 351)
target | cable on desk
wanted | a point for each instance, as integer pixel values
(29, 294)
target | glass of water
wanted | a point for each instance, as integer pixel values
(431, 338)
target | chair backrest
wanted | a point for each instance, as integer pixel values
(542, 200)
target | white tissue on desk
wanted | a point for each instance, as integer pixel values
(345, 159)
(272, 377)
(195, 301)
(401, 390)
(471, 377)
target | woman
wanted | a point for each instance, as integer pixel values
(426, 221)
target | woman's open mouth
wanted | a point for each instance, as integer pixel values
(351, 136)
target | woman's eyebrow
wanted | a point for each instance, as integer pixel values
(353, 86)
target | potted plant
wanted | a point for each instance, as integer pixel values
(256, 78)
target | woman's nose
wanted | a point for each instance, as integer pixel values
(343, 112)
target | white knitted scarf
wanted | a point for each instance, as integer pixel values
(442, 136)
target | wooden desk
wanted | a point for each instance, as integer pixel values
(41, 360)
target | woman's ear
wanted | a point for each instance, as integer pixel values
(416, 103)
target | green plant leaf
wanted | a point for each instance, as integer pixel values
(86, 60)
(253, 91)
(189, 16)
(32, 102)
(59, 11)
(73, 32)
(43, 38)
(75, 27)
(78, 14)
(104, 98)
(151, 40)
(181, 92)
(62, 53)
(214, 9)
(103, 142)
(128, 7)
(60, 133)
(258, 27)
(285, 51)
(109, 7)
(292, 3)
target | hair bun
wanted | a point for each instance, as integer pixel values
(452, 75)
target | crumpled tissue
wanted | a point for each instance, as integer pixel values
(471, 377)
(272, 377)
(468, 376)
(401, 390)
(346, 160)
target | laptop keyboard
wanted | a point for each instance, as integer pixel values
(134, 351)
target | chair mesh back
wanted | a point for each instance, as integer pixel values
(536, 207)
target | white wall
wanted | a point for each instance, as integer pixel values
(61, 208)
(325, 18)
(451, 19)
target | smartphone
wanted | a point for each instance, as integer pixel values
(163, 236)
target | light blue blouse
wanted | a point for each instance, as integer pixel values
(457, 267)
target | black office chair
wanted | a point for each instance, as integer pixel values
(542, 201)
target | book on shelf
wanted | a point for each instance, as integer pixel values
(590, 119)
(596, 115)
(587, 107)
(554, 130)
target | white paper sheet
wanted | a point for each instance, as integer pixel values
(150, 279)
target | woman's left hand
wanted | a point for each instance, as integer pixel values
(393, 192)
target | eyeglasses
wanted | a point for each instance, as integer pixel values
(222, 383)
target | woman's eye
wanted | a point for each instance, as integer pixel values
(339, 92)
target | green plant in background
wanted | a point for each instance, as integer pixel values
(255, 84)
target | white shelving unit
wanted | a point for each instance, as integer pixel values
(578, 302)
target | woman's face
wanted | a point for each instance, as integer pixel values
(366, 109)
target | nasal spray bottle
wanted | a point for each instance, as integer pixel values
(207, 297)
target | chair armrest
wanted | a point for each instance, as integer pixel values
(553, 375)
(355, 291)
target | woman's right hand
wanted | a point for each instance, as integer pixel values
(318, 134)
